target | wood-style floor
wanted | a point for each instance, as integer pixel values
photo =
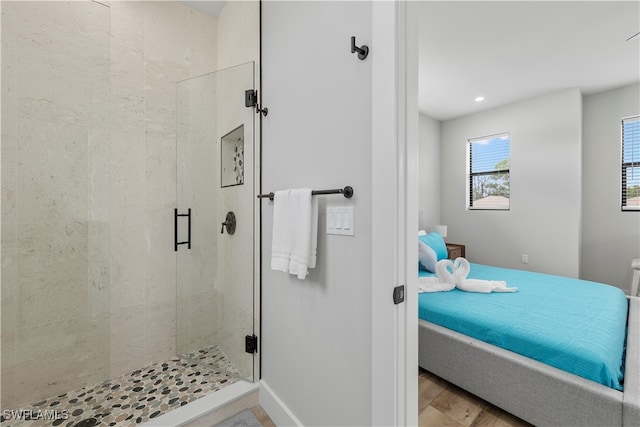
(441, 404)
(262, 416)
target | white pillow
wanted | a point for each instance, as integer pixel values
(422, 233)
(427, 257)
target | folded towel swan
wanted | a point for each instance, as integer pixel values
(453, 274)
(443, 281)
(461, 271)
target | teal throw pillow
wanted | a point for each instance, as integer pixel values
(436, 242)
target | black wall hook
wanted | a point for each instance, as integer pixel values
(363, 51)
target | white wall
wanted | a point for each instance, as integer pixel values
(610, 237)
(316, 333)
(428, 172)
(544, 219)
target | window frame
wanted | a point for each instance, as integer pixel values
(471, 174)
(624, 166)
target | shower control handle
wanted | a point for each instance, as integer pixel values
(230, 223)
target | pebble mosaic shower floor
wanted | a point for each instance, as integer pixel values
(132, 398)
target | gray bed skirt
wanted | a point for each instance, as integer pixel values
(538, 393)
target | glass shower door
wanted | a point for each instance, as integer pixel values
(214, 237)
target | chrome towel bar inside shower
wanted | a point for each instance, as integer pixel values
(347, 192)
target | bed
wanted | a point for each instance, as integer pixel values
(598, 390)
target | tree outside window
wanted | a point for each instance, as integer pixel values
(489, 171)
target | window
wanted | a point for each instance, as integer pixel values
(631, 163)
(489, 162)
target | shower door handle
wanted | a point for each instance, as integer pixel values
(175, 229)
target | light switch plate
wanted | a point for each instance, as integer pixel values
(340, 220)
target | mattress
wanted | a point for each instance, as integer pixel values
(574, 325)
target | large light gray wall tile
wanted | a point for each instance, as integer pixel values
(89, 186)
(8, 153)
(160, 329)
(127, 339)
(150, 52)
(63, 346)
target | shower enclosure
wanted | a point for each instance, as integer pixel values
(214, 238)
(105, 132)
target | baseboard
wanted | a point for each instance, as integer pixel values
(275, 408)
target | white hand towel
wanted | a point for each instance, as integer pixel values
(461, 271)
(295, 232)
(300, 215)
(313, 249)
(282, 231)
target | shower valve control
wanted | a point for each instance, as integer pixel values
(230, 223)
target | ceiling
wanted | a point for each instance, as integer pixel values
(508, 51)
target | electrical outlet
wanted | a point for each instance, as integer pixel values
(525, 259)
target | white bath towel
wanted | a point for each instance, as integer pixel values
(295, 232)
(313, 249)
(443, 280)
(461, 271)
(282, 230)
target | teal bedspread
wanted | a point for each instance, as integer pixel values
(574, 325)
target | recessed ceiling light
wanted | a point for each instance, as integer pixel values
(479, 98)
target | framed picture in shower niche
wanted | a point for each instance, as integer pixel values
(232, 158)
